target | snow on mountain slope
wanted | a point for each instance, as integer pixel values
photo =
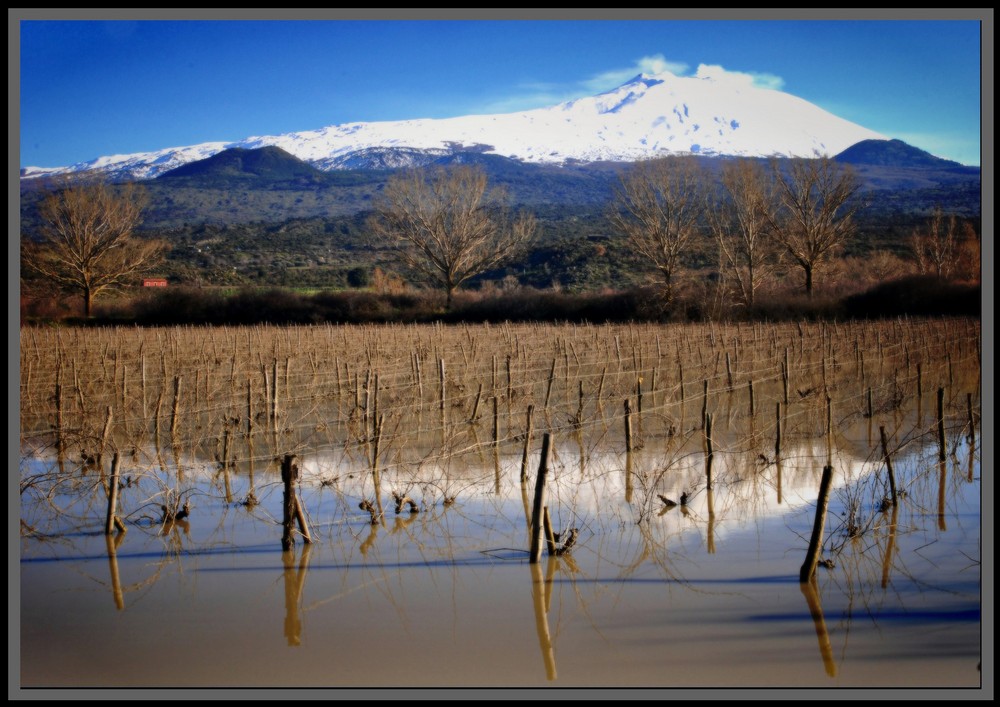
(712, 113)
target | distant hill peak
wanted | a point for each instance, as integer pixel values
(267, 162)
(892, 153)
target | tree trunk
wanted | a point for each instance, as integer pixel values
(451, 293)
(88, 297)
(809, 280)
(668, 289)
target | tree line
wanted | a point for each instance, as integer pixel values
(448, 225)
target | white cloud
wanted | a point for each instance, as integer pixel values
(531, 95)
(716, 72)
(655, 64)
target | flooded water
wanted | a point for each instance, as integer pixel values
(701, 595)
(684, 517)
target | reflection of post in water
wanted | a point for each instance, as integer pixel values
(113, 542)
(295, 580)
(710, 494)
(777, 466)
(890, 547)
(628, 477)
(943, 476)
(811, 593)
(540, 595)
(369, 541)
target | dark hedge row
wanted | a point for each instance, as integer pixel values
(913, 296)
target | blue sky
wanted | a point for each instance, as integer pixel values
(94, 88)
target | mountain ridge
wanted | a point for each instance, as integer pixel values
(650, 115)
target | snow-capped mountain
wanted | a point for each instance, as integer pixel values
(648, 116)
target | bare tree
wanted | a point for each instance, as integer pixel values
(741, 221)
(817, 204)
(658, 207)
(936, 247)
(86, 241)
(449, 225)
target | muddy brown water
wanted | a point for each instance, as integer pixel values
(700, 595)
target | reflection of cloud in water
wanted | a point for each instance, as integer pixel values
(745, 484)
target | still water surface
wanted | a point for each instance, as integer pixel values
(700, 595)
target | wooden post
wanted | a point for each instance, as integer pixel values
(291, 508)
(420, 380)
(704, 403)
(548, 388)
(816, 541)
(829, 431)
(177, 399)
(496, 423)
(475, 405)
(777, 431)
(940, 413)
(709, 451)
(628, 427)
(274, 393)
(527, 446)
(441, 376)
(888, 462)
(106, 434)
(112, 518)
(539, 503)
(638, 395)
(249, 408)
(375, 473)
(550, 538)
(972, 420)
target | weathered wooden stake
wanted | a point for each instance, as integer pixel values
(475, 405)
(829, 431)
(972, 420)
(816, 540)
(539, 503)
(527, 446)
(709, 450)
(550, 538)
(496, 422)
(441, 376)
(888, 463)
(177, 402)
(112, 519)
(777, 431)
(548, 388)
(704, 403)
(940, 414)
(292, 507)
(628, 427)
(106, 433)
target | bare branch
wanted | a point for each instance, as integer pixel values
(448, 226)
(86, 244)
(658, 207)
